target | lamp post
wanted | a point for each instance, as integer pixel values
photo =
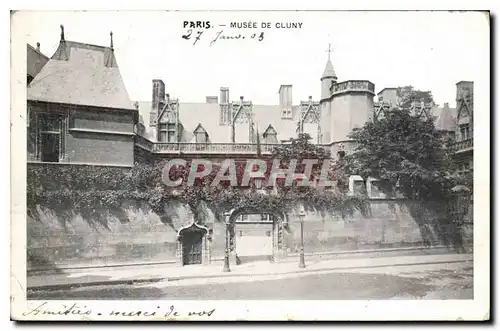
(459, 210)
(226, 255)
(302, 215)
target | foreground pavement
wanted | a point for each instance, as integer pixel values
(213, 273)
(449, 280)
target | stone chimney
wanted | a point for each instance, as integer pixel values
(224, 95)
(285, 95)
(158, 93)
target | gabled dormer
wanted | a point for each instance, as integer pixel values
(465, 110)
(421, 109)
(200, 134)
(270, 135)
(309, 113)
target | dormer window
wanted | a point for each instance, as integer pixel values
(270, 135)
(200, 134)
(166, 132)
(464, 132)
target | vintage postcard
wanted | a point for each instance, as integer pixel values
(250, 165)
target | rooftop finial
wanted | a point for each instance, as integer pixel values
(329, 50)
(111, 35)
(62, 32)
(38, 46)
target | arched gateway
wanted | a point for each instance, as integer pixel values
(192, 246)
(256, 238)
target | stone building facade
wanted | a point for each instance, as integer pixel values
(80, 113)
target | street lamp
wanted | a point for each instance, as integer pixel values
(459, 210)
(302, 215)
(226, 268)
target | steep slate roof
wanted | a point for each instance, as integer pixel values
(191, 114)
(81, 74)
(36, 60)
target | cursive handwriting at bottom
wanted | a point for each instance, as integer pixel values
(82, 310)
(65, 310)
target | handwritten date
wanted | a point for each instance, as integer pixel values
(196, 36)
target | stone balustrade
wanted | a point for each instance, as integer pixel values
(206, 148)
(462, 146)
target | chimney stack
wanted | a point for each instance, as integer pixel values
(158, 92)
(285, 95)
(224, 95)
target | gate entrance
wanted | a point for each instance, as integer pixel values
(191, 245)
(254, 237)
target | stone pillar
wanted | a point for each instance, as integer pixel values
(279, 247)
(282, 239)
(209, 249)
(205, 258)
(178, 253)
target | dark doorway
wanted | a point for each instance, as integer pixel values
(192, 247)
(50, 147)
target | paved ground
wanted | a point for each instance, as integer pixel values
(422, 281)
(116, 275)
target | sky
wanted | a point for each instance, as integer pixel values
(428, 50)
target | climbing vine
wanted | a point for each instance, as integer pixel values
(105, 187)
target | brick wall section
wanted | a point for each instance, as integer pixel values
(98, 148)
(92, 135)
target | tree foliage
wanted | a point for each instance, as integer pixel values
(409, 157)
(406, 152)
(408, 94)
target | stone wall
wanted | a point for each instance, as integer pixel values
(387, 224)
(135, 234)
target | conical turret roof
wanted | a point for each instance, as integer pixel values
(329, 71)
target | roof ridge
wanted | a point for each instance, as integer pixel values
(36, 50)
